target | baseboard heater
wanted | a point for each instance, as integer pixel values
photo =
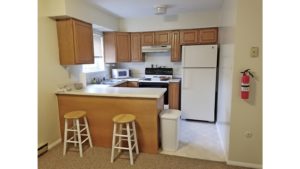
(42, 149)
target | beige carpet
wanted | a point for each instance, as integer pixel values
(99, 158)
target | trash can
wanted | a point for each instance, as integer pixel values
(169, 122)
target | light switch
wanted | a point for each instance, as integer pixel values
(254, 52)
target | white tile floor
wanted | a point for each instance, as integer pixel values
(198, 140)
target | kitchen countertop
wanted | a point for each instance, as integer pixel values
(108, 91)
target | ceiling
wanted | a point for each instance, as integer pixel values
(145, 8)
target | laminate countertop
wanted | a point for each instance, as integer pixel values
(108, 91)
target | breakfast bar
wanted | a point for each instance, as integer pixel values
(102, 103)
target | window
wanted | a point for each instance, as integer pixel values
(98, 53)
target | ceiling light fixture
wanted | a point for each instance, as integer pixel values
(160, 9)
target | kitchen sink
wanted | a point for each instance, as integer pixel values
(111, 81)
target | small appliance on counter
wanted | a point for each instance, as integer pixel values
(120, 73)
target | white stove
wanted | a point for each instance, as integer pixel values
(157, 75)
(156, 78)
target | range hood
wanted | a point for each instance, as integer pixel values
(156, 48)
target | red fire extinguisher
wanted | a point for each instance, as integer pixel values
(245, 83)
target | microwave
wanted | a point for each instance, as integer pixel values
(120, 73)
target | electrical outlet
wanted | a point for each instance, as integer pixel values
(248, 134)
(254, 52)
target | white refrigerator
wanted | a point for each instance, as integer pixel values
(198, 89)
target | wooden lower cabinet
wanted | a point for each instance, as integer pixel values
(122, 85)
(132, 84)
(174, 95)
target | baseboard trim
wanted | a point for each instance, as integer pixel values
(242, 164)
(53, 144)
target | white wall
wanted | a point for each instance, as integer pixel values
(226, 61)
(181, 21)
(247, 115)
(157, 59)
(241, 28)
(51, 74)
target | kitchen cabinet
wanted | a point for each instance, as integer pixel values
(162, 38)
(208, 36)
(188, 36)
(116, 47)
(136, 52)
(156, 38)
(175, 47)
(75, 41)
(199, 36)
(132, 84)
(174, 95)
(147, 38)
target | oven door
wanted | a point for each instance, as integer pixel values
(157, 85)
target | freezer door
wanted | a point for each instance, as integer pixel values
(198, 94)
(199, 56)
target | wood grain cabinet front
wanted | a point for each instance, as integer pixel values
(136, 52)
(163, 38)
(117, 47)
(175, 47)
(75, 40)
(174, 95)
(208, 36)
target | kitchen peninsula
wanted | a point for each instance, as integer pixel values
(102, 103)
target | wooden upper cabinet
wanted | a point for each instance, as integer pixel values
(116, 47)
(209, 35)
(136, 52)
(156, 38)
(147, 38)
(175, 47)
(75, 40)
(188, 36)
(123, 47)
(163, 38)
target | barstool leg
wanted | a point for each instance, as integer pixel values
(74, 133)
(65, 136)
(88, 131)
(129, 143)
(113, 143)
(120, 138)
(79, 137)
(135, 138)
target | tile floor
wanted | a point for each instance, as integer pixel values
(198, 140)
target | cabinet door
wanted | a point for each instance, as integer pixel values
(207, 36)
(162, 38)
(83, 38)
(136, 52)
(175, 53)
(122, 85)
(174, 92)
(123, 46)
(109, 45)
(75, 40)
(132, 84)
(188, 36)
(147, 38)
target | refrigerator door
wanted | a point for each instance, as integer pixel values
(199, 56)
(198, 94)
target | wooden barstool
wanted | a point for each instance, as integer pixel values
(119, 122)
(77, 130)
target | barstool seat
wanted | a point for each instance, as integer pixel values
(118, 133)
(77, 130)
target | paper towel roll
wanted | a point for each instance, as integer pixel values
(82, 79)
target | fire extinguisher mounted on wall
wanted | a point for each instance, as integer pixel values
(245, 83)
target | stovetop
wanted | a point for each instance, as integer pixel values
(155, 75)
